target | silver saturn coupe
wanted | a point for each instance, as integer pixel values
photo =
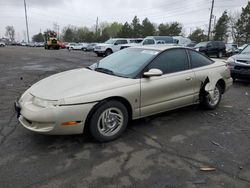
(127, 85)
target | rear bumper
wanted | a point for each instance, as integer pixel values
(228, 82)
(17, 109)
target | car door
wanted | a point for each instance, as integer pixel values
(117, 45)
(171, 90)
(210, 48)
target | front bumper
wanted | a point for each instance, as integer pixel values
(99, 51)
(241, 73)
(50, 120)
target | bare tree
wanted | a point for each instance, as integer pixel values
(10, 33)
(233, 18)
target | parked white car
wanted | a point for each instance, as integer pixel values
(2, 44)
(110, 46)
(77, 46)
(182, 41)
(151, 40)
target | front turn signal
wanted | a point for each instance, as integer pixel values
(70, 123)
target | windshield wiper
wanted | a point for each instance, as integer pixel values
(104, 70)
(88, 68)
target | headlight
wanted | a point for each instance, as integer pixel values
(44, 103)
(230, 60)
(230, 63)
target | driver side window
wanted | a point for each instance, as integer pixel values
(171, 61)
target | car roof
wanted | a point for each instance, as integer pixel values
(159, 47)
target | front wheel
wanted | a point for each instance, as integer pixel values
(108, 52)
(211, 102)
(108, 121)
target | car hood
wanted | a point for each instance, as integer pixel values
(132, 44)
(103, 44)
(242, 58)
(75, 83)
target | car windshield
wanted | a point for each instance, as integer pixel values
(125, 63)
(246, 50)
(110, 41)
(201, 44)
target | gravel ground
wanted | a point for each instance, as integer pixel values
(165, 151)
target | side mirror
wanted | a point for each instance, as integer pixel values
(115, 43)
(153, 72)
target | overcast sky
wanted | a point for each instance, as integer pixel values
(43, 13)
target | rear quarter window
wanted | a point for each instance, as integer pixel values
(198, 60)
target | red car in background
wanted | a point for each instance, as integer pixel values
(63, 45)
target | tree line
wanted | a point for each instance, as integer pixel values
(135, 29)
(236, 26)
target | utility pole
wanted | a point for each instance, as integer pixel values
(96, 27)
(27, 27)
(210, 20)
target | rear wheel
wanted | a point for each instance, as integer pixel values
(220, 54)
(211, 102)
(108, 121)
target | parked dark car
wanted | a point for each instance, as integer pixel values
(212, 48)
(240, 64)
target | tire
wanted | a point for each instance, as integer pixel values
(108, 52)
(220, 54)
(211, 104)
(108, 121)
(83, 49)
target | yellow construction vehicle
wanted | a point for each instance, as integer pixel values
(51, 40)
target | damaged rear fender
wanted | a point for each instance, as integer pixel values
(210, 82)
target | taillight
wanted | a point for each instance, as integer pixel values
(230, 66)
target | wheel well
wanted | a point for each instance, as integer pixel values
(109, 49)
(222, 84)
(120, 99)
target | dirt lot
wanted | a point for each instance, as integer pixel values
(164, 151)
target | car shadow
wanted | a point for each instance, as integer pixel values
(242, 82)
(64, 141)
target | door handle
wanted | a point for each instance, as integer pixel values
(188, 78)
